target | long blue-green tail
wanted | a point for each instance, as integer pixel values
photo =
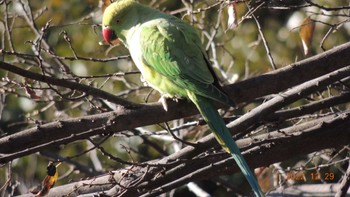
(223, 136)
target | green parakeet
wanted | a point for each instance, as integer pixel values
(172, 60)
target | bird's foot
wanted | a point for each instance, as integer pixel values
(163, 100)
(143, 81)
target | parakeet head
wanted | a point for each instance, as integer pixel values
(118, 17)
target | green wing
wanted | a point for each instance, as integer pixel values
(179, 56)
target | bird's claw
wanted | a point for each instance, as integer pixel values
(144, 81)
(163, 100)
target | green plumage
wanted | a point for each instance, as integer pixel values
(184, 63)
(171, 58)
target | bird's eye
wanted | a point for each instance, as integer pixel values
(117, 21)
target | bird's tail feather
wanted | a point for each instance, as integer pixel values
(223, 136)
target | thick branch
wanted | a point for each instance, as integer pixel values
(289, 76)
(144, 180)
(262, 112)
(65, 131)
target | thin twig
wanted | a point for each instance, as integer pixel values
(267, 48)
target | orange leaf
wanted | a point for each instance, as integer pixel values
(31, 93)
(306, 33)
(105, 4)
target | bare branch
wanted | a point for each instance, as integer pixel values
(65, 131)
(65, 83)
(345, 183)
(275, 146)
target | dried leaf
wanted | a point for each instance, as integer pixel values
(30, 92)
(306, 33)
(232, 21)
(105, 4)
(265, 178)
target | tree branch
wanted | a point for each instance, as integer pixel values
(153, 178)
(345, 183)
(65, 131)
(66, 83)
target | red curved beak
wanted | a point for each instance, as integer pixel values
(108, 35)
